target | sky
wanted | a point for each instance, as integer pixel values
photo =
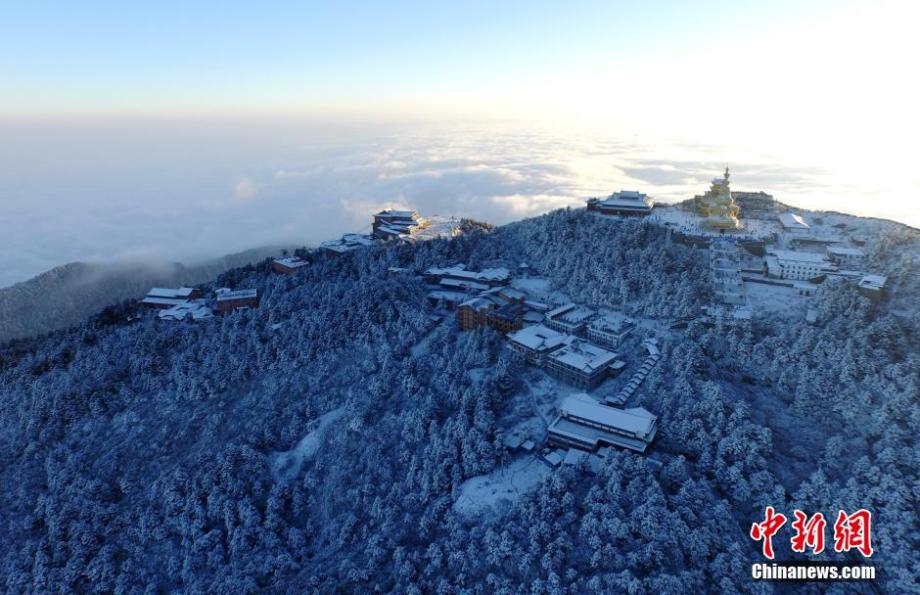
(123, 124)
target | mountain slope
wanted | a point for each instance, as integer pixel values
(143, 456)
(68, 294)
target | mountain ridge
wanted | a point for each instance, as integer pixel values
(68, 294)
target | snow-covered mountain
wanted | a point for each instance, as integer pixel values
(68, 294)
(338, 438)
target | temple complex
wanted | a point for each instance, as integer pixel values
(717, 207)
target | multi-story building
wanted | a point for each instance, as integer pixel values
(390, 224)
(586, 424)
(473, 313)
(568, 318)
(794, 265)
(288, 265)
(609, 330)
(846, 257)
(872, 286)
(580, 364)
(625, 202)
(506, 318)
(230, 300)
(534, 342)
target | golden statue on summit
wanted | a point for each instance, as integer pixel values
(717, 207)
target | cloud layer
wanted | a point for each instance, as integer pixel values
(188, 190)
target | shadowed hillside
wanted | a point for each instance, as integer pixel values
(66, 295)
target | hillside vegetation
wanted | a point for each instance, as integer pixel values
(67, 295)
(138, 457)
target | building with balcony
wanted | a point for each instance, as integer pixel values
(568, 318)
(580, 364)
(535, 342)
(609, 330)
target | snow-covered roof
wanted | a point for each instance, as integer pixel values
(796, 256)
(358, 239)
(163, 301)
(449, 296)
(539, 338)
(570, 314)
(636, 421)
(394, 229)
(591, 437)
(168, 292)
(793, 221)
(554, 458)
(873, 281)
(512, 294)
(464, 283)
(348, 242)
(628, 199)
(238, 294)
(845, 251)
(611, 324)
(538, 306)
(560, 310)
(393, 214)
(584, 356)
(195, 309)
(575, 456)
(493, 274)
(532, 317)
(478, 303)
(292, 262)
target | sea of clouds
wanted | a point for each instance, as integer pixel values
(189, 189)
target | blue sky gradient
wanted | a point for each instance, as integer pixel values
(61, 57)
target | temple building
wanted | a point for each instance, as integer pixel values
(390, 224)
(625, 202)
(717, 207)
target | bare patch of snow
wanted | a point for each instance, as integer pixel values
(286, 465)
(506, 484)
(776, 299)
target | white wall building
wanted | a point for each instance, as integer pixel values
(799, 266)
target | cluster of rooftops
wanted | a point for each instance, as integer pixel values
(187, 303)
(394, 224)
(570, 342)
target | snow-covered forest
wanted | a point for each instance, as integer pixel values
(138, 457)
